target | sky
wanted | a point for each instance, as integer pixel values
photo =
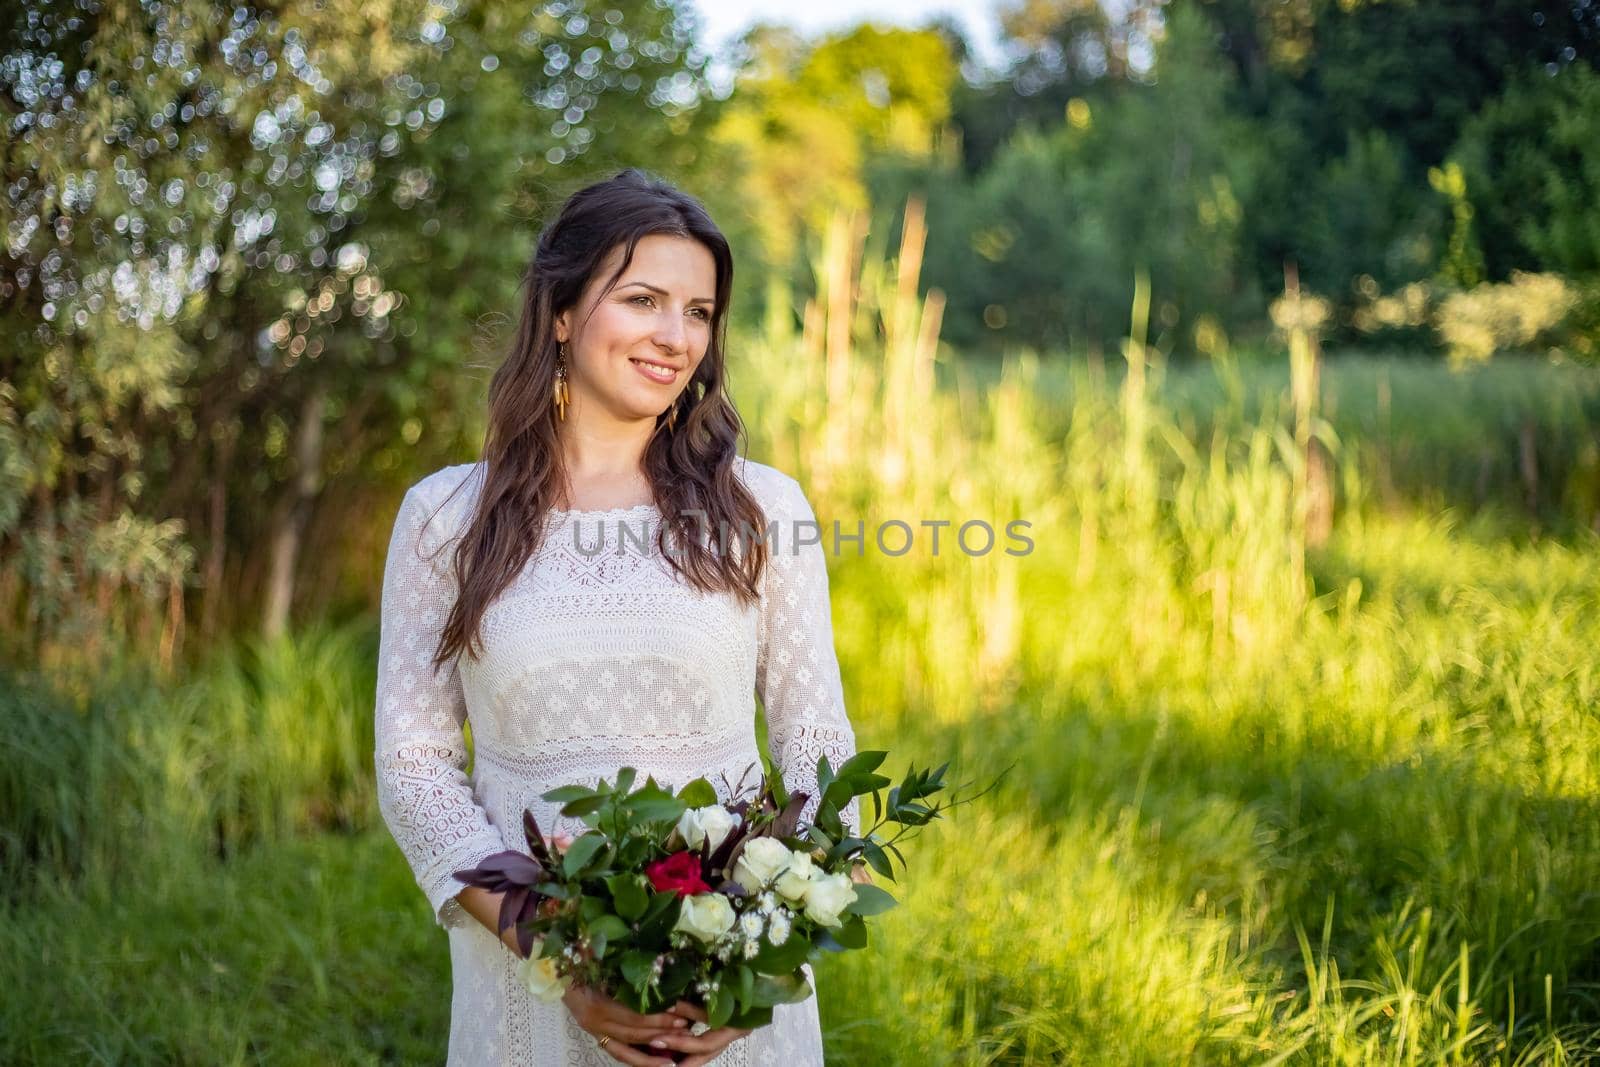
(724, 20)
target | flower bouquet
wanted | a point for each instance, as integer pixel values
(671, 895)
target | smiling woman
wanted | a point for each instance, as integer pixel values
(644, 327)
(571, 664)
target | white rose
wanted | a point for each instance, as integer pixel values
(543, 980)
(717, 822)
(796, 876)
(708, 825)
(689, 827)
(759, 863)
(706, 916)
(827, 896)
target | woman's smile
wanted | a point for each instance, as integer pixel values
(655, 372)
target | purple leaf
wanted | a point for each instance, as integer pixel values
(788, 822)
(511, 906)
(536, 843)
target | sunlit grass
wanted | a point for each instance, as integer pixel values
(1254, 812)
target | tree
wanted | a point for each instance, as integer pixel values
(804, 118)
(248, 252)
(1531, 165)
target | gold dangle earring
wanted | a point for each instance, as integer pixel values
(561, 384)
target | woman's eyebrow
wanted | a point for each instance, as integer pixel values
(663, 292)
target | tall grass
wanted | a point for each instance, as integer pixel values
(1268, 800)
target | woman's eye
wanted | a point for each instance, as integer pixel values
(639, 298)
(704, 314)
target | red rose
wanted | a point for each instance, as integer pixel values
(679, 873)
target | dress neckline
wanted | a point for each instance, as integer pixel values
(603, 513)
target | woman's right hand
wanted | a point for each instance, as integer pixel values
(604, 1017)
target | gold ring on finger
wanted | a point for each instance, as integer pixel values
(605, 1039)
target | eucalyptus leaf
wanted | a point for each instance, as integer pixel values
(870, 900)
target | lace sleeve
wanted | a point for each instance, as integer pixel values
(424, 793)
(797, 669)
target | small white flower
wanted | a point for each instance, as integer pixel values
(750, 924)
(767, 902)
(778, 928)
(751, 948)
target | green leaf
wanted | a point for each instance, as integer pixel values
(838, 794)
(827, 819)
(747, 984)
(862, 762)
(625, 779)
(877, 860)
(629, 893)
(654, 804)
(870, 900)
(751, 1018)
(638, 968)
(585, 805)
(780, 989)
(568, 793)
(660, 901)
(605, 931)
(853, 934)
(698, 794)
(780, 792)
(866, 783)
(580, 852)
(781, 959)
(815, 835)
(720, 1009)
(824, 774)
(842, 849)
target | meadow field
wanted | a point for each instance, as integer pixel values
(1270, 796)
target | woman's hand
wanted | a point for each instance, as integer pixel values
(702, 1049)
(606, 1018)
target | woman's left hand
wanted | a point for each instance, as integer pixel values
(702, 1049)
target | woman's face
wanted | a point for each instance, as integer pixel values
(633, 350)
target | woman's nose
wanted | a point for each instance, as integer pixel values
(670, 333)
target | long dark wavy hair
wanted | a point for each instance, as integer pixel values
(688, 460)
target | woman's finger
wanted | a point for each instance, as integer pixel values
(712, 1041)
(702, 1059)
(603, 1014)
(689, 1011)
(623, 1052)
(615, 1016)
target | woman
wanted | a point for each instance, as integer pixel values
(610, 428)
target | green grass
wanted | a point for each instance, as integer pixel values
(1266, 800)
(317, 950)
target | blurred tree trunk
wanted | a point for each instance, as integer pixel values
(290, 517)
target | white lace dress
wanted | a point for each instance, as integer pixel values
(591, 661)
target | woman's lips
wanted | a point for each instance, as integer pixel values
(656, 373)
